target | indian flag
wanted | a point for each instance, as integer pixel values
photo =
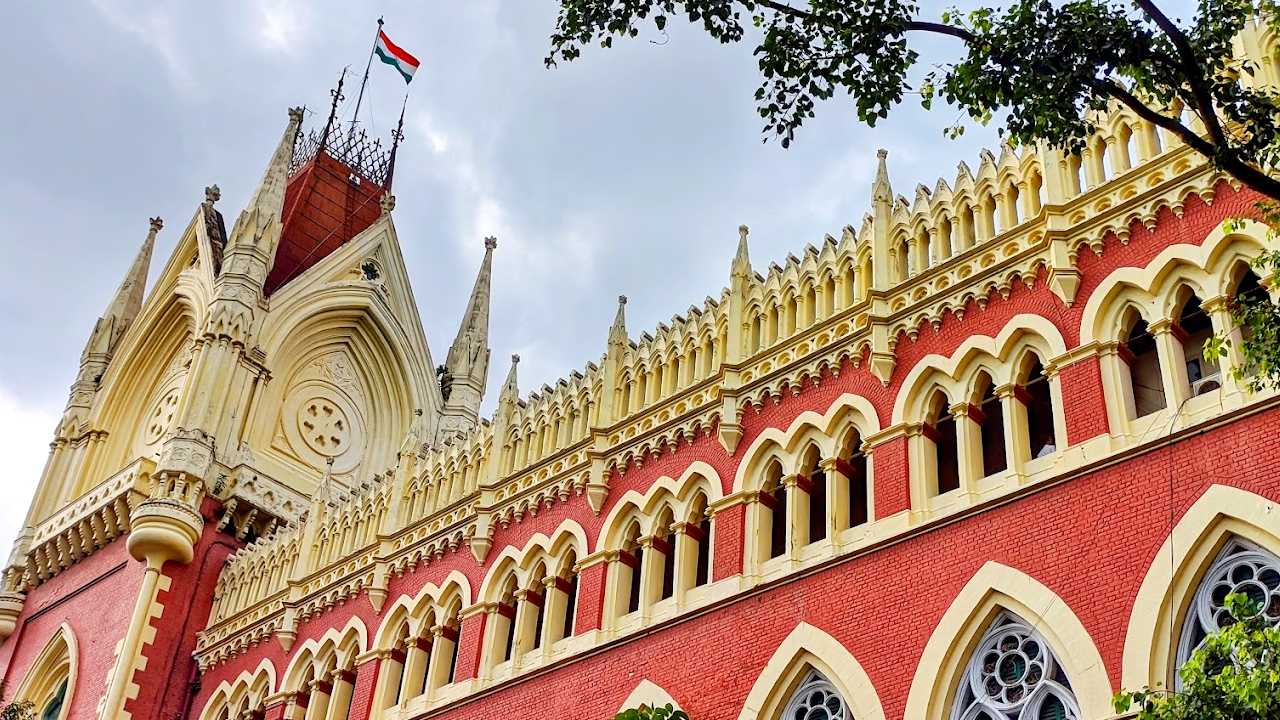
(396, 57)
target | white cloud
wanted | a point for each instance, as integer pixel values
(155, 29)
(25, 432)
(282, 26)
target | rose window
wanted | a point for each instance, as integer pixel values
(324, 427)
(1240, 568)
(161, 417)
(1013, 675)
(816, 699)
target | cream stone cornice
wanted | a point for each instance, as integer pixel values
(866, 330)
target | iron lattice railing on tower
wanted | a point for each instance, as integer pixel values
(364, 155)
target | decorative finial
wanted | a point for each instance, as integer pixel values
(295, 113)
(156, 224)
(882, 153)
(387, 203)
(515, 359)
(490, 243)
(622, 299)
(742, 231)
(212, 194)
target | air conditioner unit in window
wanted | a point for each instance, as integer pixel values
(1205, 385)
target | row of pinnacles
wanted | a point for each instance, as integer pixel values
(852, 298)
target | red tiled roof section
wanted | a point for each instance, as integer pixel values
(323, 208)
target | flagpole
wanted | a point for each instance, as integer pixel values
(355, 117)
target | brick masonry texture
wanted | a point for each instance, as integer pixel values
(1090, 540)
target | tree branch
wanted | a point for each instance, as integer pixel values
(1250, 175)
(1190, 69)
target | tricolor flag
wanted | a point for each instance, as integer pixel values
(395, 56)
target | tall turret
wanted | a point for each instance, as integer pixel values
(466, 368)
(69, 437)
(110, 327)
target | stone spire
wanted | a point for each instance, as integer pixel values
(251, 246)
(268, 201)
(618, 331)
(881, 191)
(257, 230)
(742, 260)
(127, 301)
(466, 368)
(882, 218)
(509, 398)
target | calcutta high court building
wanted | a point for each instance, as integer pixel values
(965, 461)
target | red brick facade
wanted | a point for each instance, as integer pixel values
(1090, 535)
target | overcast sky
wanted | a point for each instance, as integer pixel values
(627, 171)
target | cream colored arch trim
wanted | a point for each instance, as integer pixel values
(647, 693)
(415, 608)
(1205, 266)
(808, 646)
(58, 661)
(569, 534)
(993, 588)
(346, 643)
(993, 353)
(229, 693)
(679, 492)
(1155, 622)
(789, 443)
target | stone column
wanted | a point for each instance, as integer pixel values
(968, 444)
(838, 492)
(1173, 369)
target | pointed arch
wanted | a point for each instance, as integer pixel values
(648, 693)
(809, 648)
(1220, 513)
(994, 589)
(52, 677)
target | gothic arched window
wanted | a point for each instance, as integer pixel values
(1240, 568)
(53, 708)
(1013, 675)
(816, 699)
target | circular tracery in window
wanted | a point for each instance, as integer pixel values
(1013, 675)
(816, 699)
(1241, 567)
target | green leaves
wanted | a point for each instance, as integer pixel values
(1043, 66)
(644, 712)
(1233, 675)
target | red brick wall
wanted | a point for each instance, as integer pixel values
(95, 598)
(1090, 540)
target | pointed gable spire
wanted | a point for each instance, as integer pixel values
(618, 331)
(466, 368)
(509, 398)
(881, 190)
(471, 346)
(127, 301)
(741, 259)
(258, 226)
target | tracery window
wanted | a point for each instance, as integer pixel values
(1014, 675)
(1241, 567)
(816, 699)
(699, 532)
(53, 706)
